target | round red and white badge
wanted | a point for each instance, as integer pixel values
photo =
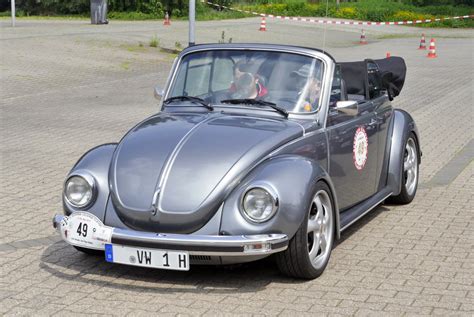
(360, 148)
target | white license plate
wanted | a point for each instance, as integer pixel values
(160, 259)
(83, 229)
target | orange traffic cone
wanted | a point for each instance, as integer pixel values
(432, 52)
(263, 25)
(363, 40)
(167, 19)
(422, 42)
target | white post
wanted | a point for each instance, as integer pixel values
(192, 19)
(13, 12)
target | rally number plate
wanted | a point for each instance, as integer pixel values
(159, 259)
(83, 229)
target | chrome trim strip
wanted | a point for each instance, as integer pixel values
(272, 251)
(196, 244)
(364, 213)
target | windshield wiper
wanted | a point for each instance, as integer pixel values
(258, 103)
(189, 98)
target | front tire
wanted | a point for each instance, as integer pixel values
(410, 175)
(309, 250)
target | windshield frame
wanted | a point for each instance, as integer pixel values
(326, 60)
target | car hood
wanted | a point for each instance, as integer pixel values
(171, 172)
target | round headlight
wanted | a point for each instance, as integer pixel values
(78, 191)
(259, 205)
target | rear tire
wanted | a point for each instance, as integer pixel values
(90, 251)
(310, 248)
(410, 174)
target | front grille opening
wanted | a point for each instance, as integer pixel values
(200, 257)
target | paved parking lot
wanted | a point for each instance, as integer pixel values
(66, 86)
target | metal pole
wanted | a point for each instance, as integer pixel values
(192, 20)
(13, 12)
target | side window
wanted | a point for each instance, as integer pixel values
(337, 88)
(338, 93)
(375, 81)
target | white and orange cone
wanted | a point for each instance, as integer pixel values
(432, 49)
(167, 20)
(363, 39)
(422, 42)
(263, 24)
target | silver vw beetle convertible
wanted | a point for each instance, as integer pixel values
(257, 150)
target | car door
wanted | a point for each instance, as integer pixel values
(353, 149)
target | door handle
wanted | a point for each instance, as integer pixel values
(373, 122)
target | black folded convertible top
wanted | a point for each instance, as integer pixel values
(391, 70)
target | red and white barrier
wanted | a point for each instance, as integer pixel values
(338, 22)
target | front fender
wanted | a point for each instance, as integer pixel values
(96, 163)
(402, 125)
(293, 178)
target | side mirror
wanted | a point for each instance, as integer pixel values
(158, 93)
(348, 107)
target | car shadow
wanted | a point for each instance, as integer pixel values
(346, 234)
(64, 262)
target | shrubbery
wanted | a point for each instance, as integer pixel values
(368, 10)
(118, 8)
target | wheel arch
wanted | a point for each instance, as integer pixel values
(337, 224)
(96, 163)
(402, 126)
(294, 177)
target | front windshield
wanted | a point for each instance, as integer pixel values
(291, 81)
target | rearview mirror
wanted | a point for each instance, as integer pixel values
(348, 107)
(158, 93)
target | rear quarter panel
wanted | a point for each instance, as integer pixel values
(402, 125)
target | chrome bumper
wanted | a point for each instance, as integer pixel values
(242, 245)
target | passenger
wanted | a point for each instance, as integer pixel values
(308, 95)
(246, 85)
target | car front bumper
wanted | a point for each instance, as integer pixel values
(239, 245)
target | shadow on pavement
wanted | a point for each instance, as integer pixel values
(64, 262)
(346, 234)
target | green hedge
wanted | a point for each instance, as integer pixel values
(138, 8)
(368, 10)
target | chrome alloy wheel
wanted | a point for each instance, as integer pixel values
(410, 166)
(320, 226)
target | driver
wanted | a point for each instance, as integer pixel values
(246, 84)
(310, 90)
